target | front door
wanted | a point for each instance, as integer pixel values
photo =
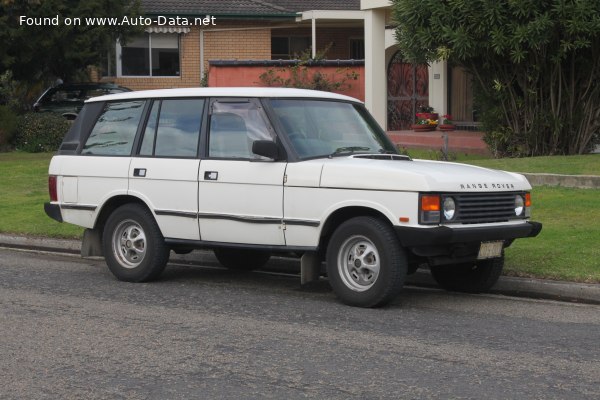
(408, 89)
(240, 197)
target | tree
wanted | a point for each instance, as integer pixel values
(45, 52)
(535, 65)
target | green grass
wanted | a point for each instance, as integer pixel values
(566, 249)
(23, 192)
(566, 165)
(568, 246)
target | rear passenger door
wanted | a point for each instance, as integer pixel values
(164, 170)
(240, 194)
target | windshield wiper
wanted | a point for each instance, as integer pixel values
(348, 150)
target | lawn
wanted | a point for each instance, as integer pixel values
(567, 248)
(567, 165)
(23, 192)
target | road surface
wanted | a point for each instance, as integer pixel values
(69, 330)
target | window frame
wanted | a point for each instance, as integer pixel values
(119, 58)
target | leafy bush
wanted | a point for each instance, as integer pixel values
(41, 132)
(9, 123)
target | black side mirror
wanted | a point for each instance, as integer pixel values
(266, 148)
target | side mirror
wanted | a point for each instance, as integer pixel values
(266, 148)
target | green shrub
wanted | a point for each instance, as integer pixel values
(9, 123)
(41, 132)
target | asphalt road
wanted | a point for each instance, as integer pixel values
(68, 329)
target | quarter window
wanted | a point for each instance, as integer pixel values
(115, 129)
(173, 128)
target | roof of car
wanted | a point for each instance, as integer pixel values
(224, 92)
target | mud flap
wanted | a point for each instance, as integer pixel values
(91, 245)
(310, 267)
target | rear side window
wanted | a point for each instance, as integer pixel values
(115, 129)
(173, 128)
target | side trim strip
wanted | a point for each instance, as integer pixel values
(80, 207)
(238, 218)
(301, 222)
(241, 218)
(182, 214)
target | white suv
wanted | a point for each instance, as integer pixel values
(249, 172)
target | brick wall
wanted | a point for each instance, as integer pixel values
(249, 40)
(247, 44)
(246, 75)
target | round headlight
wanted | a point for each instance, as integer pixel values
(449, 208)
(519, 205)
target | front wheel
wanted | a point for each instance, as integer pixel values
(133, 245)
(473, 277)
(365, 264)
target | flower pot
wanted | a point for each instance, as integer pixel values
(431, 116)
(446, 127)
(423, 127)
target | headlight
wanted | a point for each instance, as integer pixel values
(449, 208)
(519, 205)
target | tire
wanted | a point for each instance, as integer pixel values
(366, 241)
(473, 277)
(133, 245)
(242, 259)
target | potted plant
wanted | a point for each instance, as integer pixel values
(447, 124)
(427, 120)
(427, 112)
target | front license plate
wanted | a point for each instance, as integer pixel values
(490, 250)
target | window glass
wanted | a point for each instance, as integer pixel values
(285, 48)
(165, 54)
(319, 128)
(115, 129)
(179, 128)
(147, 148)
(155, 54)
(135, 57)
(233, 129)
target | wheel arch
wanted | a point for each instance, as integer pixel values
(112, 204)
(343, 214)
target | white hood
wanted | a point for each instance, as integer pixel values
(418, 175)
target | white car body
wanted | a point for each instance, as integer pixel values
(282, 204)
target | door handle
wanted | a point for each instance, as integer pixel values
(139, 172)
(211, 175)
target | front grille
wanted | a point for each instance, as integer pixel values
(477, 208)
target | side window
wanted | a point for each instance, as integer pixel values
(115, 129)
(173, 128)
(233, 129)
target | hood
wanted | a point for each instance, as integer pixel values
(356, 172)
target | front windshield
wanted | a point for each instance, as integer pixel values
(318, 128)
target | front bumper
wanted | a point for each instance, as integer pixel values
(53, 211)
(444, 235)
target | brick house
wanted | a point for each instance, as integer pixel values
(249, 31)
(178, 56)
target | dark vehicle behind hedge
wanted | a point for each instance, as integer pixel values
(67, 99)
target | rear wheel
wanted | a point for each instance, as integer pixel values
(473, 277)
(242, 259)
(365, 264)
(133, 245)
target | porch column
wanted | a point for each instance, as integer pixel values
(438, 87)
(375, 73)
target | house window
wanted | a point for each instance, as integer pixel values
(155, 54)
(288, 47)
(357, 49)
